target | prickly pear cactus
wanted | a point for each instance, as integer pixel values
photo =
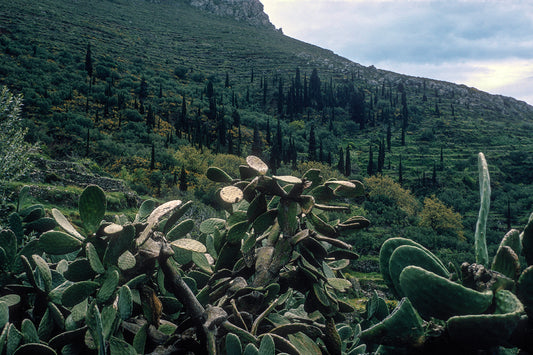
(265, 279)
(479, 311)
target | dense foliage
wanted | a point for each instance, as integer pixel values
(266, 279)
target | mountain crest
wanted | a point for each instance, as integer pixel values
(250, 11)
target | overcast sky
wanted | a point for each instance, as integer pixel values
(487, 44)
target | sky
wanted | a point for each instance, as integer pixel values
(486, 44)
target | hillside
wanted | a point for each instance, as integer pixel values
(169, 79)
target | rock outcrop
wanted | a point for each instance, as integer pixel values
(250, 11)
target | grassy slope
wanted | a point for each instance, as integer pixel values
(138, 38)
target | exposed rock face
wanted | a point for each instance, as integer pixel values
(250, 11)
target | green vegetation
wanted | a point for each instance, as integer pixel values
(153, 94)
(267, 278)
(461, 309)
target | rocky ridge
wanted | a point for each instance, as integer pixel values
(250, 11)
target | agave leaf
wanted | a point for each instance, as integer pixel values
(63, 222)
(59, 243)
(92, 207)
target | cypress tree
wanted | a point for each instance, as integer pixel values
(183, 179)
(152, 158)
(389, 137)
(143, 90)
(87, 143)
(89, 61)
(312, 145)
(400, 171)
(226, 83)
(257, 147)
(340, 164)
(280, 97)
(370, 167)
(268, 136)
(348, 165)
(265, 92)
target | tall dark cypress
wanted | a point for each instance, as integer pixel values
(183, 179)
(348, 165)
(268, 134)
(400, 171)
(311, 156)
(280, 97)
(152, 158)
(89, 61)
(257, 146)
(370, 167)
(340, 164)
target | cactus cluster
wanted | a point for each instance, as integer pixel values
(266, 279)
(467, 309)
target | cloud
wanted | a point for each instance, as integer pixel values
(448, 36)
